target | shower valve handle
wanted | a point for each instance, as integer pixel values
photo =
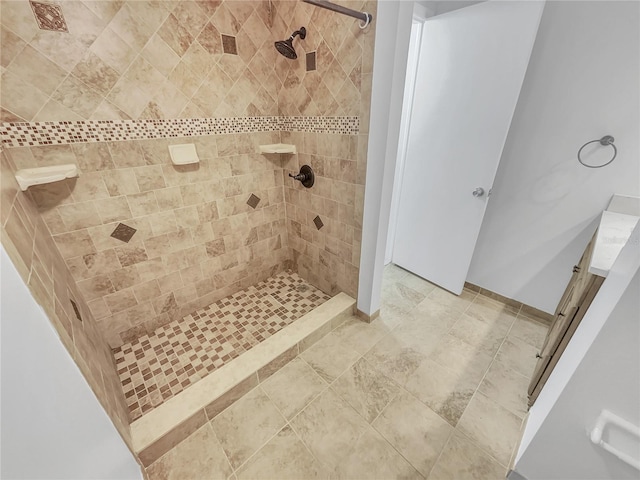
(306, 176)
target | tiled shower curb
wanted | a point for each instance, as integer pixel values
(164, 427)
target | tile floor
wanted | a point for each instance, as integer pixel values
(435, 388)
(156, 367)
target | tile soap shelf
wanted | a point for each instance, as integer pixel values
(183, 154)
(28, 177)
(278, 148)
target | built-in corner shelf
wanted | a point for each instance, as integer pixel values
(28, 177)
(278, 148)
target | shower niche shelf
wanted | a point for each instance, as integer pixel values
(28, 177)
(278, 148)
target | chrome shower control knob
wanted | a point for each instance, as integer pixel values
(478, 192)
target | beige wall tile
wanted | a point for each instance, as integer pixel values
(120, 182)
(34, 68)
(142, 204)
(113, 50)
(160, 55)
(113, 209)
(83, 23)
(79, 215)
(120, 301)
(19, 98)
(18, 16)
(95, 73)
(74, 243)
(77, 96)
(131, 28)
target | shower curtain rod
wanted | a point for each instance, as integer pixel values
(364, 16)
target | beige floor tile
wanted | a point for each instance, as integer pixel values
(329, 357)
(491, 312)
(529, 331)
(418, 284)
(478, 333)
(394, 359)
(283, 457)
(400, 297)
(454, 302)
(520, 356)
(458, 355)
(506, 387)
(440, 316)
(422, 334)
(358, 335)
(445, 391)
(462, 460)
(293, 387)
(371, 457)
(199, 456)
(329, 428)
(245, 426)
(366, 389)
(393, 273)
(414, 430)
(390, 318)
(490, 426)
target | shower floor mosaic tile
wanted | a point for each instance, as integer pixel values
(156, 367)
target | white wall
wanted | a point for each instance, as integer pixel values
(444, 6)
(407, 102)
(600, 369)
(393, 30)
(53, 426)
(582, 83)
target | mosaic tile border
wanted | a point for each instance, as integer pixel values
(28, 134)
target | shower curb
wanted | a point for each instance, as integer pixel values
(164, 427)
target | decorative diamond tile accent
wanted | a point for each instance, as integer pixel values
(311, 61)
(29, 134)
(49, 16)
(123, 232)
(76, 310)
(253, 201)
(318, 222)
(229, 44)
(156, 367)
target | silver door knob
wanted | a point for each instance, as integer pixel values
(478, 192)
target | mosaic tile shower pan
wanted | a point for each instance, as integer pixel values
(155, 368)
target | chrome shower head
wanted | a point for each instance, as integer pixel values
(285, 47)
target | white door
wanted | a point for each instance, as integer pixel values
(472, 64)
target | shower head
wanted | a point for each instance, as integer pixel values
(285, 47)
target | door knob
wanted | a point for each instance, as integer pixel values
(478, 192)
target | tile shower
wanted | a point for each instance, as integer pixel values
(144, 248)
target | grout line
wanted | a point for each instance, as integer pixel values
(215, 434)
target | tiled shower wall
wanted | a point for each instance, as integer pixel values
(329, 257)
(197, 238)
(30, 246)
(140, 59)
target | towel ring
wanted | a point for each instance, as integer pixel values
(606, 140)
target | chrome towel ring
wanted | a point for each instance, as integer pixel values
(605, 141)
